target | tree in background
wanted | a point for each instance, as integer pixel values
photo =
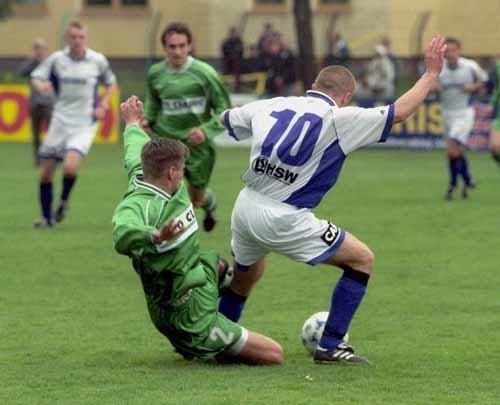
(307, 65)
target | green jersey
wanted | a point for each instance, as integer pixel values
(178, 100)
(495, 95)
(179, 281)
(495, 98)
(164, 268)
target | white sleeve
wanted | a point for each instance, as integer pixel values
(238, 121)
(106, 75)
(479, 73)
(357, 127)
(44, 69)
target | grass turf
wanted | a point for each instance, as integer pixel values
(74, 326)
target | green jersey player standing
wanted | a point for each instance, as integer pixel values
(155, 226)
(495, 125)
(183, 101)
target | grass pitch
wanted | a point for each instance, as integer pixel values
(74, 326)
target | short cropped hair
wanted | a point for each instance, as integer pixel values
(75, 24)
(176, 27)
(453, 41)
(159, 153)
(336, 80)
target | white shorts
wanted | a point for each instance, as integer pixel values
(62, 138)
(458, 124)
(260, 225)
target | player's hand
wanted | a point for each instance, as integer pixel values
(132, 110)
(45, 88)
(472, 87)
(100, 112)
(434, 55)
(168, 231)
(196, 136)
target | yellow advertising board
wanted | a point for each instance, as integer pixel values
(15, 125)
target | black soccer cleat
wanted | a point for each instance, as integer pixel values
(340, 354)
(61, 211)
(465, 192)
(209, 221)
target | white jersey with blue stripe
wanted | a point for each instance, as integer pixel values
(75, 82)
(299, 144)
(453, 81)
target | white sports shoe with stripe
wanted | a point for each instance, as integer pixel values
(340, 354)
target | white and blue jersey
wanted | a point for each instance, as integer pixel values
(75, 82)
(453, 81)
(299, 144)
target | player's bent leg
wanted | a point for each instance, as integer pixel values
(71, 164)
(234, 298)
(204, 198)
(356, 259)
(261, 350)
(354, 254)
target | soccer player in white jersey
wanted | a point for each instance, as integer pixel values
(458, 81)
(73, 75)
(299, 145)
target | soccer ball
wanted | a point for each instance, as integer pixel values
(313, 329)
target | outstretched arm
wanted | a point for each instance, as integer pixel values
(434, 59)
(134, 137)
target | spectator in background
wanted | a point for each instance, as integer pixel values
(381, 75)
(386, 43)
(267, 35)
(254, 62)
(40, 105)
(280, 64)
(232, 55)
(338, 51)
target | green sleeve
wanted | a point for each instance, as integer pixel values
(219, 102)
(131, 236)
(495, 94)
(134, 139)
(152, 102)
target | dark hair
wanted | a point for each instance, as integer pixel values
(454, 41)
(159, 153)
(176, 27)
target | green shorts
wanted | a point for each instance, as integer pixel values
(195, 327)
(200, 164)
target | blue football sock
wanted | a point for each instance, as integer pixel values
(346, 298)
(464, 170)
(68, 183)
(46, 200)
(231, 305)
(453, 167)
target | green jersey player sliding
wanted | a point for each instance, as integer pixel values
(155, 226)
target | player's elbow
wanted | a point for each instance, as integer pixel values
(401, 113)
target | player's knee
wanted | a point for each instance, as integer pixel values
(196, 199)
(366, 260)
(46, 174)
(70, 170)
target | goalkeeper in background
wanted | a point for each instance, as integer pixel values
(155, 226)
(183, 101)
